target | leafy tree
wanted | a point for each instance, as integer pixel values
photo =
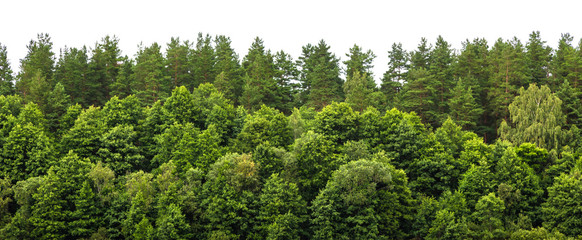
(266, 124)
(230, 191)
(363, 199)
(182, 108)
(53, 210)
(84, 138)
(282, 211)
(118, 150)
(27, 152)
(488, 218)
(127, 111)
(171, 223)
(536, 117)
(562, 205)
(316, 159)
(6, 77)
(447, 226)
(338, 122)
(86, 216)
(6, 200)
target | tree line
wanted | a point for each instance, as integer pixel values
(195, 144)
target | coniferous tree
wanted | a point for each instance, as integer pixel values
(286, 76)
(473, 67)
(395, 76)
(228, 69)
(203, 61)
(441, 62)
(72, 72)
(179, 64)
(508, 75)
(562, 61)
(260, 86)
(36, 70)
(538, 57)
(103, 69)
(151, 82)
(6, 78)
(360, 61)
(57, 104)
(463, 108)
(124, 81)
(320, 81)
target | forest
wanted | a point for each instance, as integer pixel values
(190, 141)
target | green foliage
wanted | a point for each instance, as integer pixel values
(230, 201)
(6, 77)
(84, 138)
(562, 207)
(364, 199)
(536, 117)
(266, 124)
(338, 122)
(118, 150)
(487, 220)
(27, 152)
(320, 79)
(282, 211)
(316, 159)
(152, 82)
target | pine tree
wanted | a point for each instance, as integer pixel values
(36, 70)
(320, 81)
(103, 69)
(441, 80)
(357, 91)
(260, 86)
(360, 61)
(6, 78)
(203, 61)
(228, 69)
(286, 76)
(463, 108)
(151, 82)
(473, 67)
(396, 75)
(57, 104)
(178, 62)
(72, 72)
(538, 59)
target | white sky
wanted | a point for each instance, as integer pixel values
(284, 25)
